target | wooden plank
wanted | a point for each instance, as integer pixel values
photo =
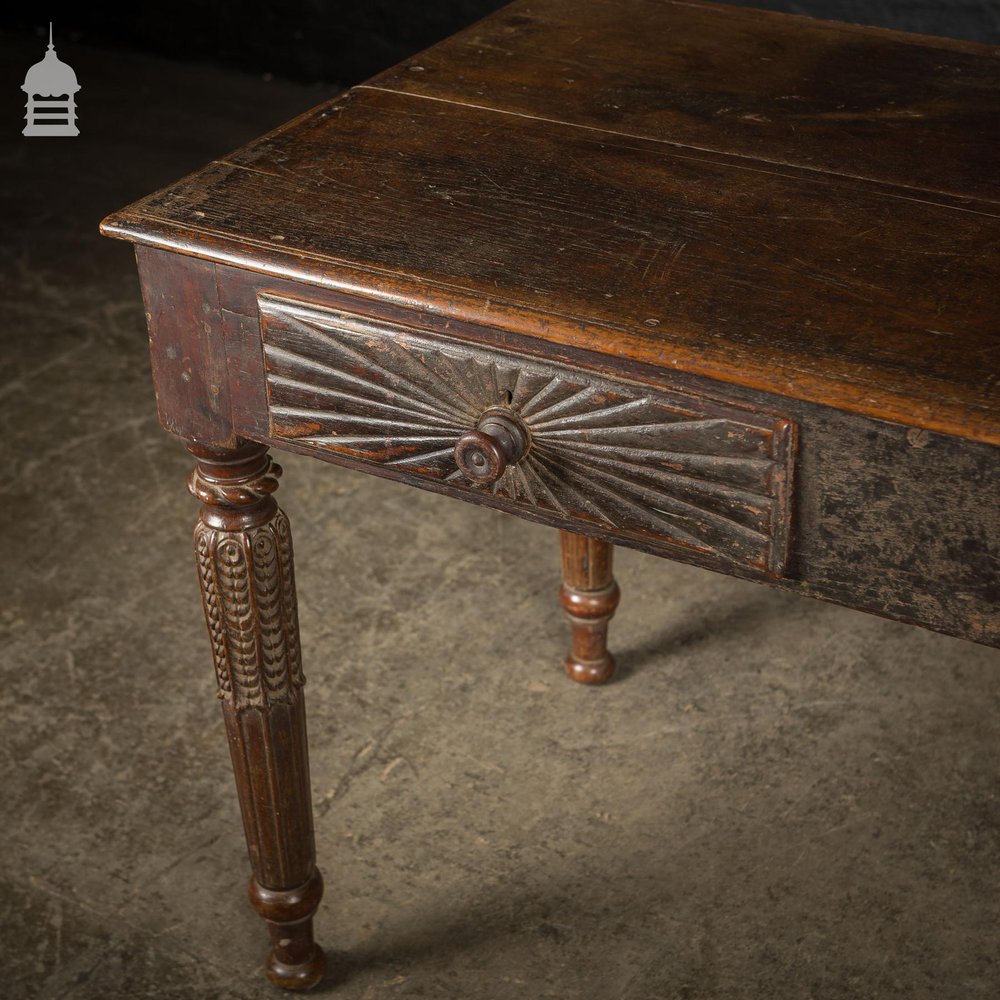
(907, 109)
(892, 521)
(789, 282)
(190, 375)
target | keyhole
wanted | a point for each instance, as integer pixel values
(508, 397)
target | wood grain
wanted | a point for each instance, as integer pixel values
(589, 595)
(672, 469)
(189, 362)
(790, 282)
(243, 547)
(905, 109)
(888, 519)
(669, 241)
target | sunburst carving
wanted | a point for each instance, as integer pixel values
(670, 468)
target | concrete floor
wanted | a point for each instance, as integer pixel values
(778, 799)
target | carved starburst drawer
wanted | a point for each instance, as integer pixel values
(676, 471)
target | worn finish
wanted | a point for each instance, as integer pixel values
(770, 356)
(777, 797)
(189, 363)
(589, 596)
(802, 284)
(786, 91)
(667, 469)
(499, 442)
(244, 554)
(863, 489)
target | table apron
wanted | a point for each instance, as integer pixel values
(873, 515)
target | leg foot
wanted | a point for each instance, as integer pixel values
(589, 596)
(295, 961)
(244, 551)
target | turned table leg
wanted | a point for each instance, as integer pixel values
(244, 553)
(589, 595)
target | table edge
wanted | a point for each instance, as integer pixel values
(463, 305)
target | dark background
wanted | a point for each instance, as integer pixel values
(326, 41)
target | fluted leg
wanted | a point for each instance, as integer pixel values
(589, 596)
(244, 551)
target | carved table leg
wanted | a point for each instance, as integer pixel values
(244, 552)
(589, 595)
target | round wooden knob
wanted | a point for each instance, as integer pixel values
(483, 455)
(480, 457)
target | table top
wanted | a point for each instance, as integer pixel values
(794, 206)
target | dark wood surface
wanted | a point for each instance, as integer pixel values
(243, 546)
(742, 263)
(589, 595)
(909, 110)
(669, 469)
(708, 282)
(883, 517)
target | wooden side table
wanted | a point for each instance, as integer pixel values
(713, 283)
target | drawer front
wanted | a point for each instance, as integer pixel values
(672, 470)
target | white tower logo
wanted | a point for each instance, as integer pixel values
(51, 88)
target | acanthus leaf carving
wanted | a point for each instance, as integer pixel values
(248, 594)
